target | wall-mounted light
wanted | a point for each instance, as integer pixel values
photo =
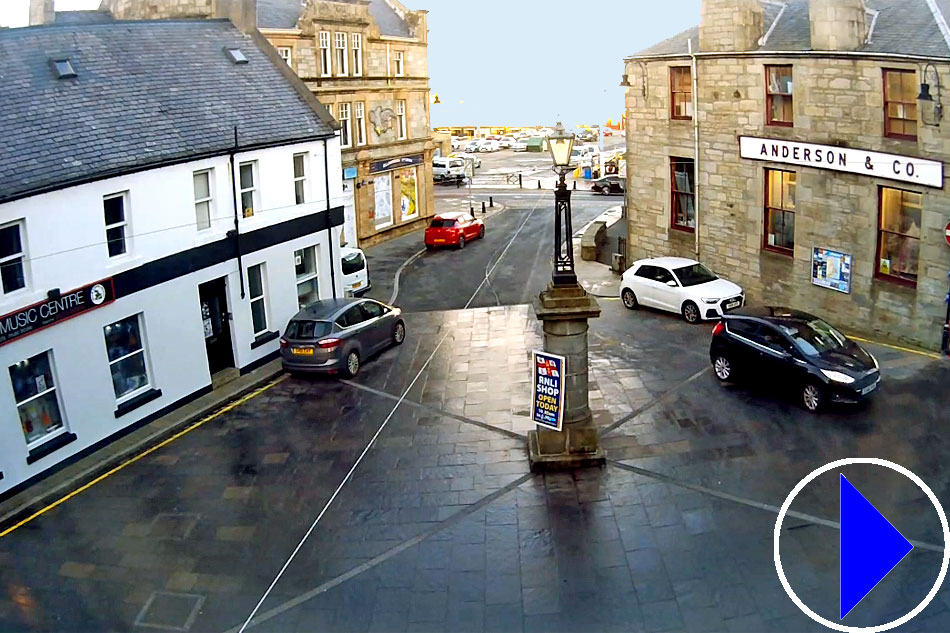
(53, 294)
(925, 97)
(361, 184)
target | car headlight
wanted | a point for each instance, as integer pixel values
(711, 300)
(837, 376)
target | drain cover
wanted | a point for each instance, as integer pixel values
(170, 611)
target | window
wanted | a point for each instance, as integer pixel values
(372, 310)
(342, 65)
(778, 96)
(681, 93)
(286, 53)
(780, 210)
(308, 287)
(116, 223)
(35, 393)
(255, 283)
(357, 46)
(329, 108)
(300, 178)
(681, 186)
(646, 272)
(353, 316)
(202, 181)
(126, 356)
(345, 140)
(899, 235)
(900, 104)
(359, 125)
(663, 276)
(325, 53)
(401, 119)
(248, 189)
(64, 69)
(398, 64)
(352, 263)
(12, 258)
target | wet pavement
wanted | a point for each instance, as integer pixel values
(444, 528)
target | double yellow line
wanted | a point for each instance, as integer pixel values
(145, 453)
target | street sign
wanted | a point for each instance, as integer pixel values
(947, 234)
(547, 406)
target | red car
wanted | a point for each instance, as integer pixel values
(453, 228)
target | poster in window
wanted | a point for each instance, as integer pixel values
(410, 193)
(383, 187)
(831, 269)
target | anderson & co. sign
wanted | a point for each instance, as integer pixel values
(69, 304)
(919, 171)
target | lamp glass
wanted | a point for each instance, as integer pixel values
(561, 143)
(924, 93)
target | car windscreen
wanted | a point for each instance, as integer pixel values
(307, 329)
(814, 337)
(353, 263)
(442, 224)
(694, 275)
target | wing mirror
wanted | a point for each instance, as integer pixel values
(671, 283)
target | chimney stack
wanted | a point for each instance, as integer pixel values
(41, 12)
(731, 25)
(242, 13)
(837, 25)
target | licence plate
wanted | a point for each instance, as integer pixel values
(301, 351)
(439, 241)
(869, 389)
(357, 284)
(733, 304)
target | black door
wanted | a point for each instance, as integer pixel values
(212, 297)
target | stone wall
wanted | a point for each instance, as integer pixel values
(158, 9)
(730, 25)
(836, 102)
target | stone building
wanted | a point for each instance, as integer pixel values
(806, 166)
(366, 61)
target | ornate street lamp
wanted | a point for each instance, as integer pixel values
(926, 99)
(561, 144)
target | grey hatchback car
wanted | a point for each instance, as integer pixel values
(336, 335)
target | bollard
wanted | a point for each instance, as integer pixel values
(483, 207)
(491, 202)
(458, 183)
(471, 210)
(575, 185)
(539, 184)
(519, 181)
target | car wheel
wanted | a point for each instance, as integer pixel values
(352, 365)
(399, 333)
(813, 397)
(629, 299)
(481, 231)
(722, 368)
(691, 312)
(462, 241)
(605, 191)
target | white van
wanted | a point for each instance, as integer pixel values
(448, 169)
(355, 271)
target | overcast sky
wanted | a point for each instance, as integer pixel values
(519, 62)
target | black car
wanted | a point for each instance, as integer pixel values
(795, 349)
(608, 185)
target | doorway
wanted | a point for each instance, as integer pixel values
(213, 299)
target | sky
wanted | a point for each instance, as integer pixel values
(519, 62)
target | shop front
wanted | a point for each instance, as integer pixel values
(395, 198)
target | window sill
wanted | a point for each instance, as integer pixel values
(780, 124)
(52, 445)
(138, 401)
(683, 229)
(681, 118)
(901, 137)
(896, 282)
(778, 250)
(264, 338)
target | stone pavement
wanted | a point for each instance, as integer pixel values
(443, 527)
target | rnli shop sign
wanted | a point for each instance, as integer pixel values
(547, 408)
(46, 313)
(918, 171)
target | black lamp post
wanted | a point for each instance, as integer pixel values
(561, 143)
(925, 97)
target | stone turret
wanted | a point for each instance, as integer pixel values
(41, 12)
(731, 25)
(838, 25)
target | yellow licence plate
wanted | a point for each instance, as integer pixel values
(440, 241)
(301, 351)
(358, 284)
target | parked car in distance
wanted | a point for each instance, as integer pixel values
(506, 141)
(468, 156)
(471, 146)
(608, 185)
(338, 335)
(519, 146)
(453, 229)
(796, 350)
(448, 169)
(676, 284)
(355, 271)
(489, 146)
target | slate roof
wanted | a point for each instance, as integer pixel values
(82, 17)
(284, 14)
(906, 27)
(147, 93)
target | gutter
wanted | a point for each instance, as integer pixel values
(234, 201)
(826, 54)
(326, 177)
(696, 160)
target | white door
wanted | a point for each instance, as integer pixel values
(383, 186)
(643, 286)
(349, 214)
(666, 297)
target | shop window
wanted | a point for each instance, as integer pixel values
(401, 119)
(248, 187)
(398, 66)
(12, 258)
(683, 194)
(900, 104)
(345, 138)
(359, 125)
(778, 91)
(325, 54)
(203, 198)
(681, 93)
(255, 284)
(116, 218)
(342, 64)
(357, 47)
(37, 403)
(780, 210)
(286, 54)
(899, 236)
(126, 351)
(308, 287)
(300, 178)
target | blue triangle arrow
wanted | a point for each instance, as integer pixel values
(870, 547)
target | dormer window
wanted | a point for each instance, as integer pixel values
(236, 55)
(63, 68)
